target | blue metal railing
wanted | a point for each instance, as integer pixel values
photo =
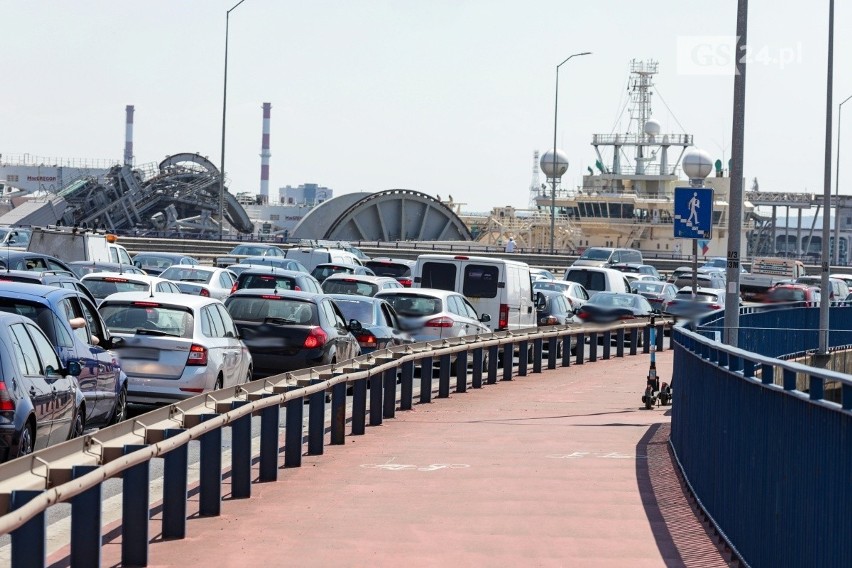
(768, 463)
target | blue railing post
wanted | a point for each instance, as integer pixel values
(659, 337)
(425, 380)
(476, 380)
(338, 414)
(293, 430)
(461, 371)
(269, 435)
(86, 522)
(789, 379)
(174, 488)
(444, 376)
(210, 480)
(406, 386)
(359, 407)
(376, 399)
(846, 396)
(493, 362)
(316, 422)
(240, 454)
(29, 546)
(135, 485)
(748, 368)
(817, 387)
(508, 360)
(523, 357)
(389, 410)
(767, 374)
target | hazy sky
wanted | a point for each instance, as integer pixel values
(441, 96)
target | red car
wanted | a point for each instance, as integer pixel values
(796, 294)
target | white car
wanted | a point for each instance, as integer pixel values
(573, 291)
(103, 284)
(429, 314)
(175, 346)
(202, 280)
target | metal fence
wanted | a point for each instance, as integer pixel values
(380, 383)
(769, 463)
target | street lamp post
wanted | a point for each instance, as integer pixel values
(837, 186)
(553, 156)
(224, 110)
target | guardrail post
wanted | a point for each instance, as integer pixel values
(134, 510)
(376, 399)
(566, 349)
(619, 342)
(293, 430)
(269, 420)
(767, 374)
(476, 380)
(389, 410)
(846, 396)
(789, 379)
(523, 357)
(634, 339)
(316, 422)
(508, 360)
(210, 479)
(646, 339)
(240, 454)
(593, 347)
(338, 414)
(174, 488)
(493, 361)
(406, 386)
(461, 371)
(607, 344)
(581, 348)
(426, 379)
(748, 368)
(444, 376)
(817, 387)
(29, 547)
(552, 348)
(86, 522)
(659, 337)
(359, 407)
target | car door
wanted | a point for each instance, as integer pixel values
(398, 337)
(63, 387)
(35, 385)
(237, 368)
(217, 347)
(81, 351)
(108, 369)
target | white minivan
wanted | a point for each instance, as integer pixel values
(596, 279)
(494, 286)
(310, 257)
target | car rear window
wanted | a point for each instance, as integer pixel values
(589, 279)
(285, 311)
(349, 286)
(413, 305)
(480, 281)
(389, 269)
(357, 310)
(181, 274)
(266, 281)
(786, 295)
(440, 275)
(103, 287)
(323, 272)
(148, 318)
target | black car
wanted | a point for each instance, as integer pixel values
(552, 308)
(23, 260)
(40, 402)
(285, 331)
(398, 268)
(83, 267)
(59, 279)
(326, 269)
(658, 294)
(259, 277)
(154, 263)
(610, 307)
(380, 327)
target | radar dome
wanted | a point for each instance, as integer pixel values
(548, 164)
(697, 164)
(652, 127)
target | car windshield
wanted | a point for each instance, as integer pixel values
(703, 297)
(595, 254)
(276, 309)
(716, 263)
(389, 269)
(552, 286)
(148, 318)
(323, 272)
(786, 295)
(412, 305)
(252, 250)
(267, 281)
(184, 274)
(616, 300)
(357, 310)
(103, 287)
(647, 287)
(349, 286)
(155, 262)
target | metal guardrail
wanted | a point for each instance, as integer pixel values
(768, 462)
(74, 471)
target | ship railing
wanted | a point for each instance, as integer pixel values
(634, 139)
(53, 162)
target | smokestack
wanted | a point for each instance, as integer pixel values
(128, 137)
(264, 155)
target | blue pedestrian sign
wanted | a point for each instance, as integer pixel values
(693, 213)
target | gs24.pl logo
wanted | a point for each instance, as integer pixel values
(718, 55)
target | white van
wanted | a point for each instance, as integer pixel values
(310, 257)
(595, 279)
(494, 286)
(606, 256)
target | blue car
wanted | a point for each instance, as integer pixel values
(73, 325)
(24, 260)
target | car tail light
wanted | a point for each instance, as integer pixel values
(366, 339)
(439, 322)
(462, 258)
(297, 289)
(6, 402)
(503, 322)
(147, 304)
(715, 307)
(270, 297)
(234, 288)
(583, 315)
(113, 279)
(316, 338)
(204, 292)
(197, 356)
(187, 389)
(406, 282)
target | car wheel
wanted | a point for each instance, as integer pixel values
(248, 375)
(119, 413)
(219, 383)
(78, 425)
(25, 443)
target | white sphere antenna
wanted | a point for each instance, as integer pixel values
(652, 127)
(697, 164)
(551, 166)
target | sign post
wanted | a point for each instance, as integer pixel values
(693, 219)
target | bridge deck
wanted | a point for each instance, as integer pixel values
(557, 469)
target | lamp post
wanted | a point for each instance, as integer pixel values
(554, 175)
(224, 110)
(837, 186)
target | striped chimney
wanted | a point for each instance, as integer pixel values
(128, 136)
(264, 154)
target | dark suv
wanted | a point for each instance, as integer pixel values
(258, 277)
(394, 267)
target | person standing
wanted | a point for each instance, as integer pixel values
(510, 245)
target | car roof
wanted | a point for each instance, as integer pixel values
(138, 277)
(258, 245)
(345, 264)
(258, 292)
(702, 290)
(435, 292)
(357, 298)
(26, 290)
(267, 270)
(187, 300)
(163, 254)
(362, 278)
(385, 259)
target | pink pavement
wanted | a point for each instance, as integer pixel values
(561, 468)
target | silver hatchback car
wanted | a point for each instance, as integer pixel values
(428, 313)
(175, 346)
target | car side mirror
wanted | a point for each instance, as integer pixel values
(485, 318)
(355, 326)
(74, 369)
(113, 342)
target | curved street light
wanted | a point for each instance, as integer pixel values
(553, 156)
(837, 186)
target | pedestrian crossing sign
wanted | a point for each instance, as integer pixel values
(693, 213)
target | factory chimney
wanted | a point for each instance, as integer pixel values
(264, 155)
(128, 137)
